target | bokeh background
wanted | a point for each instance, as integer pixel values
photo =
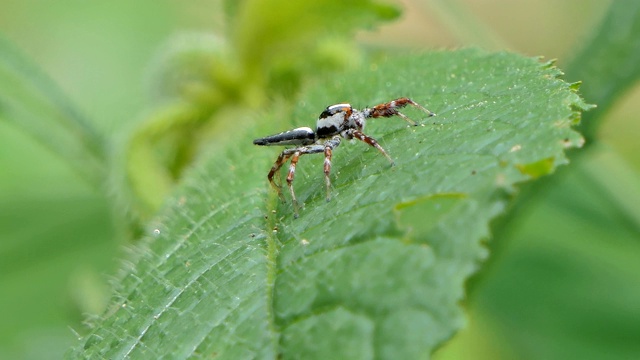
(568, 289)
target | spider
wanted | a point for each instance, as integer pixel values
(335, 122)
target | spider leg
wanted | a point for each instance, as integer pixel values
(295, 156)
(390, 109)
(282, 158)
(371, 141)
(328, 151)
(290, 176)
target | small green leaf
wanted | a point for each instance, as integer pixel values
(538, 168)
(378, 272)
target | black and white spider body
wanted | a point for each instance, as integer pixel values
(335, 122)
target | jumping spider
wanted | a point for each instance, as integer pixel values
(335, 122)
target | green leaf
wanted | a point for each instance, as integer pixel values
(32, 103)
(378, 271)
(609, 62)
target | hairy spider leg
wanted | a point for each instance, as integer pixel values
(311, 149)
(327, 170)
(390, 109)
(290, 176)
(282, 158)
(371, 141)
(294, 155)
(328, 153)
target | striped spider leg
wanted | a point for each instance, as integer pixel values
(335, 122)
(294, 154)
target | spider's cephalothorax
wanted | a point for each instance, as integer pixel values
(335, 122)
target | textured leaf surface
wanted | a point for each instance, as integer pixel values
(378, 271)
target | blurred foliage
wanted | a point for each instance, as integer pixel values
(31, 102)
(560, 280)
(609, 61)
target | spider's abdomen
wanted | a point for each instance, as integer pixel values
(333, 120)
(298, 136)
